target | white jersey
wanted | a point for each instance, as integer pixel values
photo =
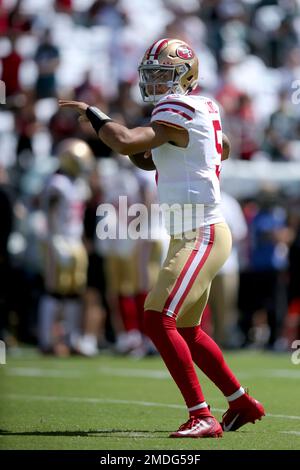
(120, 191)
(190, 176)
(67, 218)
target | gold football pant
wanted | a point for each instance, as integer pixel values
(65, 266)
(183, 284)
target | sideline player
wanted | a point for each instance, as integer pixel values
(185, 137)
(65, 258)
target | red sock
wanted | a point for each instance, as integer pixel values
(209, 358)
(173, 349)
(128, 313)
(139, 302)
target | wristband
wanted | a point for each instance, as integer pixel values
(97, 118)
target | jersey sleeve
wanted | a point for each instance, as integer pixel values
(173, 112)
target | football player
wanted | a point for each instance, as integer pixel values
(187, 145)
(64, 255)
(120, 254)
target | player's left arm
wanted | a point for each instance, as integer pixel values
(128, 141)
(226, 147)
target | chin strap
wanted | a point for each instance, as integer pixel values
(97, 118)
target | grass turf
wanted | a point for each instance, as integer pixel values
(109, 402)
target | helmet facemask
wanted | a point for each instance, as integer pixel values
(157, 80)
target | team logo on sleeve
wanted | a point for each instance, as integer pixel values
(185, 52)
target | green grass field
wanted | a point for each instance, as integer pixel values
(111, 402)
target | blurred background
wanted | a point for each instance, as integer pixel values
(61, 288)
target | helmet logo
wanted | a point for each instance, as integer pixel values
(185, 52)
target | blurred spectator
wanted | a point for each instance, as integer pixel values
(6, 228)
(240, 122)
(47, 59)
(26, 126)
(283, 129)
(3, 19)
(291, 327)
(290, 67)
(245, 127)
(63, 124)
(17, 20)
(95, 301)
(281, 42)
(65, 6)
(294, 265)
(264, 287)
(106, 13)
(88, 91)
(10, 71)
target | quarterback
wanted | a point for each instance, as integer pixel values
(184, 143)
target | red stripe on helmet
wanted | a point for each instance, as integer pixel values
(157, 44)
(150, 49)
(165, 41)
